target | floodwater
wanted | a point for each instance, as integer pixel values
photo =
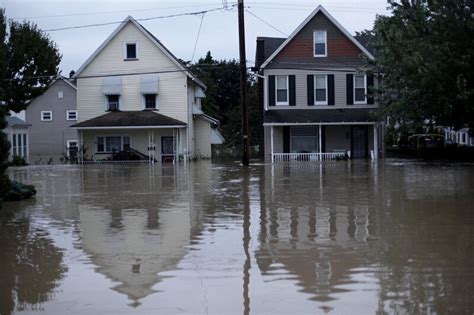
(207, 238)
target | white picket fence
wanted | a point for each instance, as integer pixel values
(287, 157)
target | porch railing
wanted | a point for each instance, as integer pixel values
(287, 157)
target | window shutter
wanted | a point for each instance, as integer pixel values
(331, 100)
(350, 89)
(310, 89)
(370, 86)
(271, 90)
(292, 91)
(323, 139)
(286, 139)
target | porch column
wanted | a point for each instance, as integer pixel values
(376, 142)
(320, 142)
(80, 149)
(271, 141)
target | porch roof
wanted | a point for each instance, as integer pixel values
(130, 119)
(319, 116)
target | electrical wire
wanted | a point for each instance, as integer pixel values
(265, 22)
(197, 37)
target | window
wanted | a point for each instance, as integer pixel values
(71, 148)
(19, 145)
(304, 139)
(46, 115)
(71, 115)
(113, 102)
(320, 43)
(60, 94)
(113, 144)
(321, 89)
(150, 101)
(282, 90)
(360, 89)
(131, 51)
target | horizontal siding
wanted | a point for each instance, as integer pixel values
(172, 96)
(203, 138)
(301, 89)
(277, 141)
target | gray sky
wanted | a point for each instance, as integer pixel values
(219, 29)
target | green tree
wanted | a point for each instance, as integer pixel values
(425, 50)
(29, 61)
(222, 101)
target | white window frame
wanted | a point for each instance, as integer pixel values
(43, 112)
(68, 145)
(144, 101)
(364, 102)
(125, 57)
(287, 90)
(314, 89)
(325, 43)
(106, 103)
(105, 142)
(69, 112)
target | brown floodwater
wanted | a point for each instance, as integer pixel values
(341, 237)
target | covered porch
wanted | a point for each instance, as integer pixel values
(131, 137)
(297, 138)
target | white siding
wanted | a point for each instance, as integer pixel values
(203, 138)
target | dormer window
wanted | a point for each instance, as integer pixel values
(320, 43)
(131, 51)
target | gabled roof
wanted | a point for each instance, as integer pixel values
(321, 9)
(154, 40)
(60, 77)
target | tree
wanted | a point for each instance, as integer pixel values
(223, 98)
(426, 54)
(29, 61)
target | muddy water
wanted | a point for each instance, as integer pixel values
(339, 238)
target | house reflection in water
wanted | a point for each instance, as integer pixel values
(309, 229)
(140, 232)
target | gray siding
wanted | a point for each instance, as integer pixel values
(48, 138)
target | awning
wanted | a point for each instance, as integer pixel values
(149, 84)
(130, 120)
(112, 85)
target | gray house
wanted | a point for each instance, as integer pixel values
(50, 116)
(315, 95)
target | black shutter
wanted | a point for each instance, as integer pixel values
(323, 139)
(271, 90)
(286, 139)
(292, 92)
(310, 89)
(370, 86)
(350, 89)
(331, 100)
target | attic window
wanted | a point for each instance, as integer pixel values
(131, 51)
(320, 43)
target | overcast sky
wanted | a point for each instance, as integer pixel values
(219, 33)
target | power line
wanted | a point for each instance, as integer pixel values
(142, 19)
(265, 22)
(197, 37)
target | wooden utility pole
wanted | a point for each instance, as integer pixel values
(243, 87)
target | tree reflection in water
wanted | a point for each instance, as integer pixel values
(31, 266)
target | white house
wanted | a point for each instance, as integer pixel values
(134, 95)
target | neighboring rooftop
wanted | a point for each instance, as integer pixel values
(16, 122)
(122, 119)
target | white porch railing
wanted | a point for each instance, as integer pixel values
(287, 157)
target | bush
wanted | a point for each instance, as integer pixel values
(18, 161)
(19, 191)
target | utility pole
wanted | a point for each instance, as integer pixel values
(243, 87)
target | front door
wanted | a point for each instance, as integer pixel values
(167, 149)
(359, 142)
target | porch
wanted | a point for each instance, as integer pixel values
(131, 137)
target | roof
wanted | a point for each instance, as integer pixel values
(16, 122)
(60, 77)
(292, 116)
(321, 9)
(270, 44)
(150, 36)
(216, 137)
(131, 119)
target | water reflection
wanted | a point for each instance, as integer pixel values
(335, 237)
(31, 267)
